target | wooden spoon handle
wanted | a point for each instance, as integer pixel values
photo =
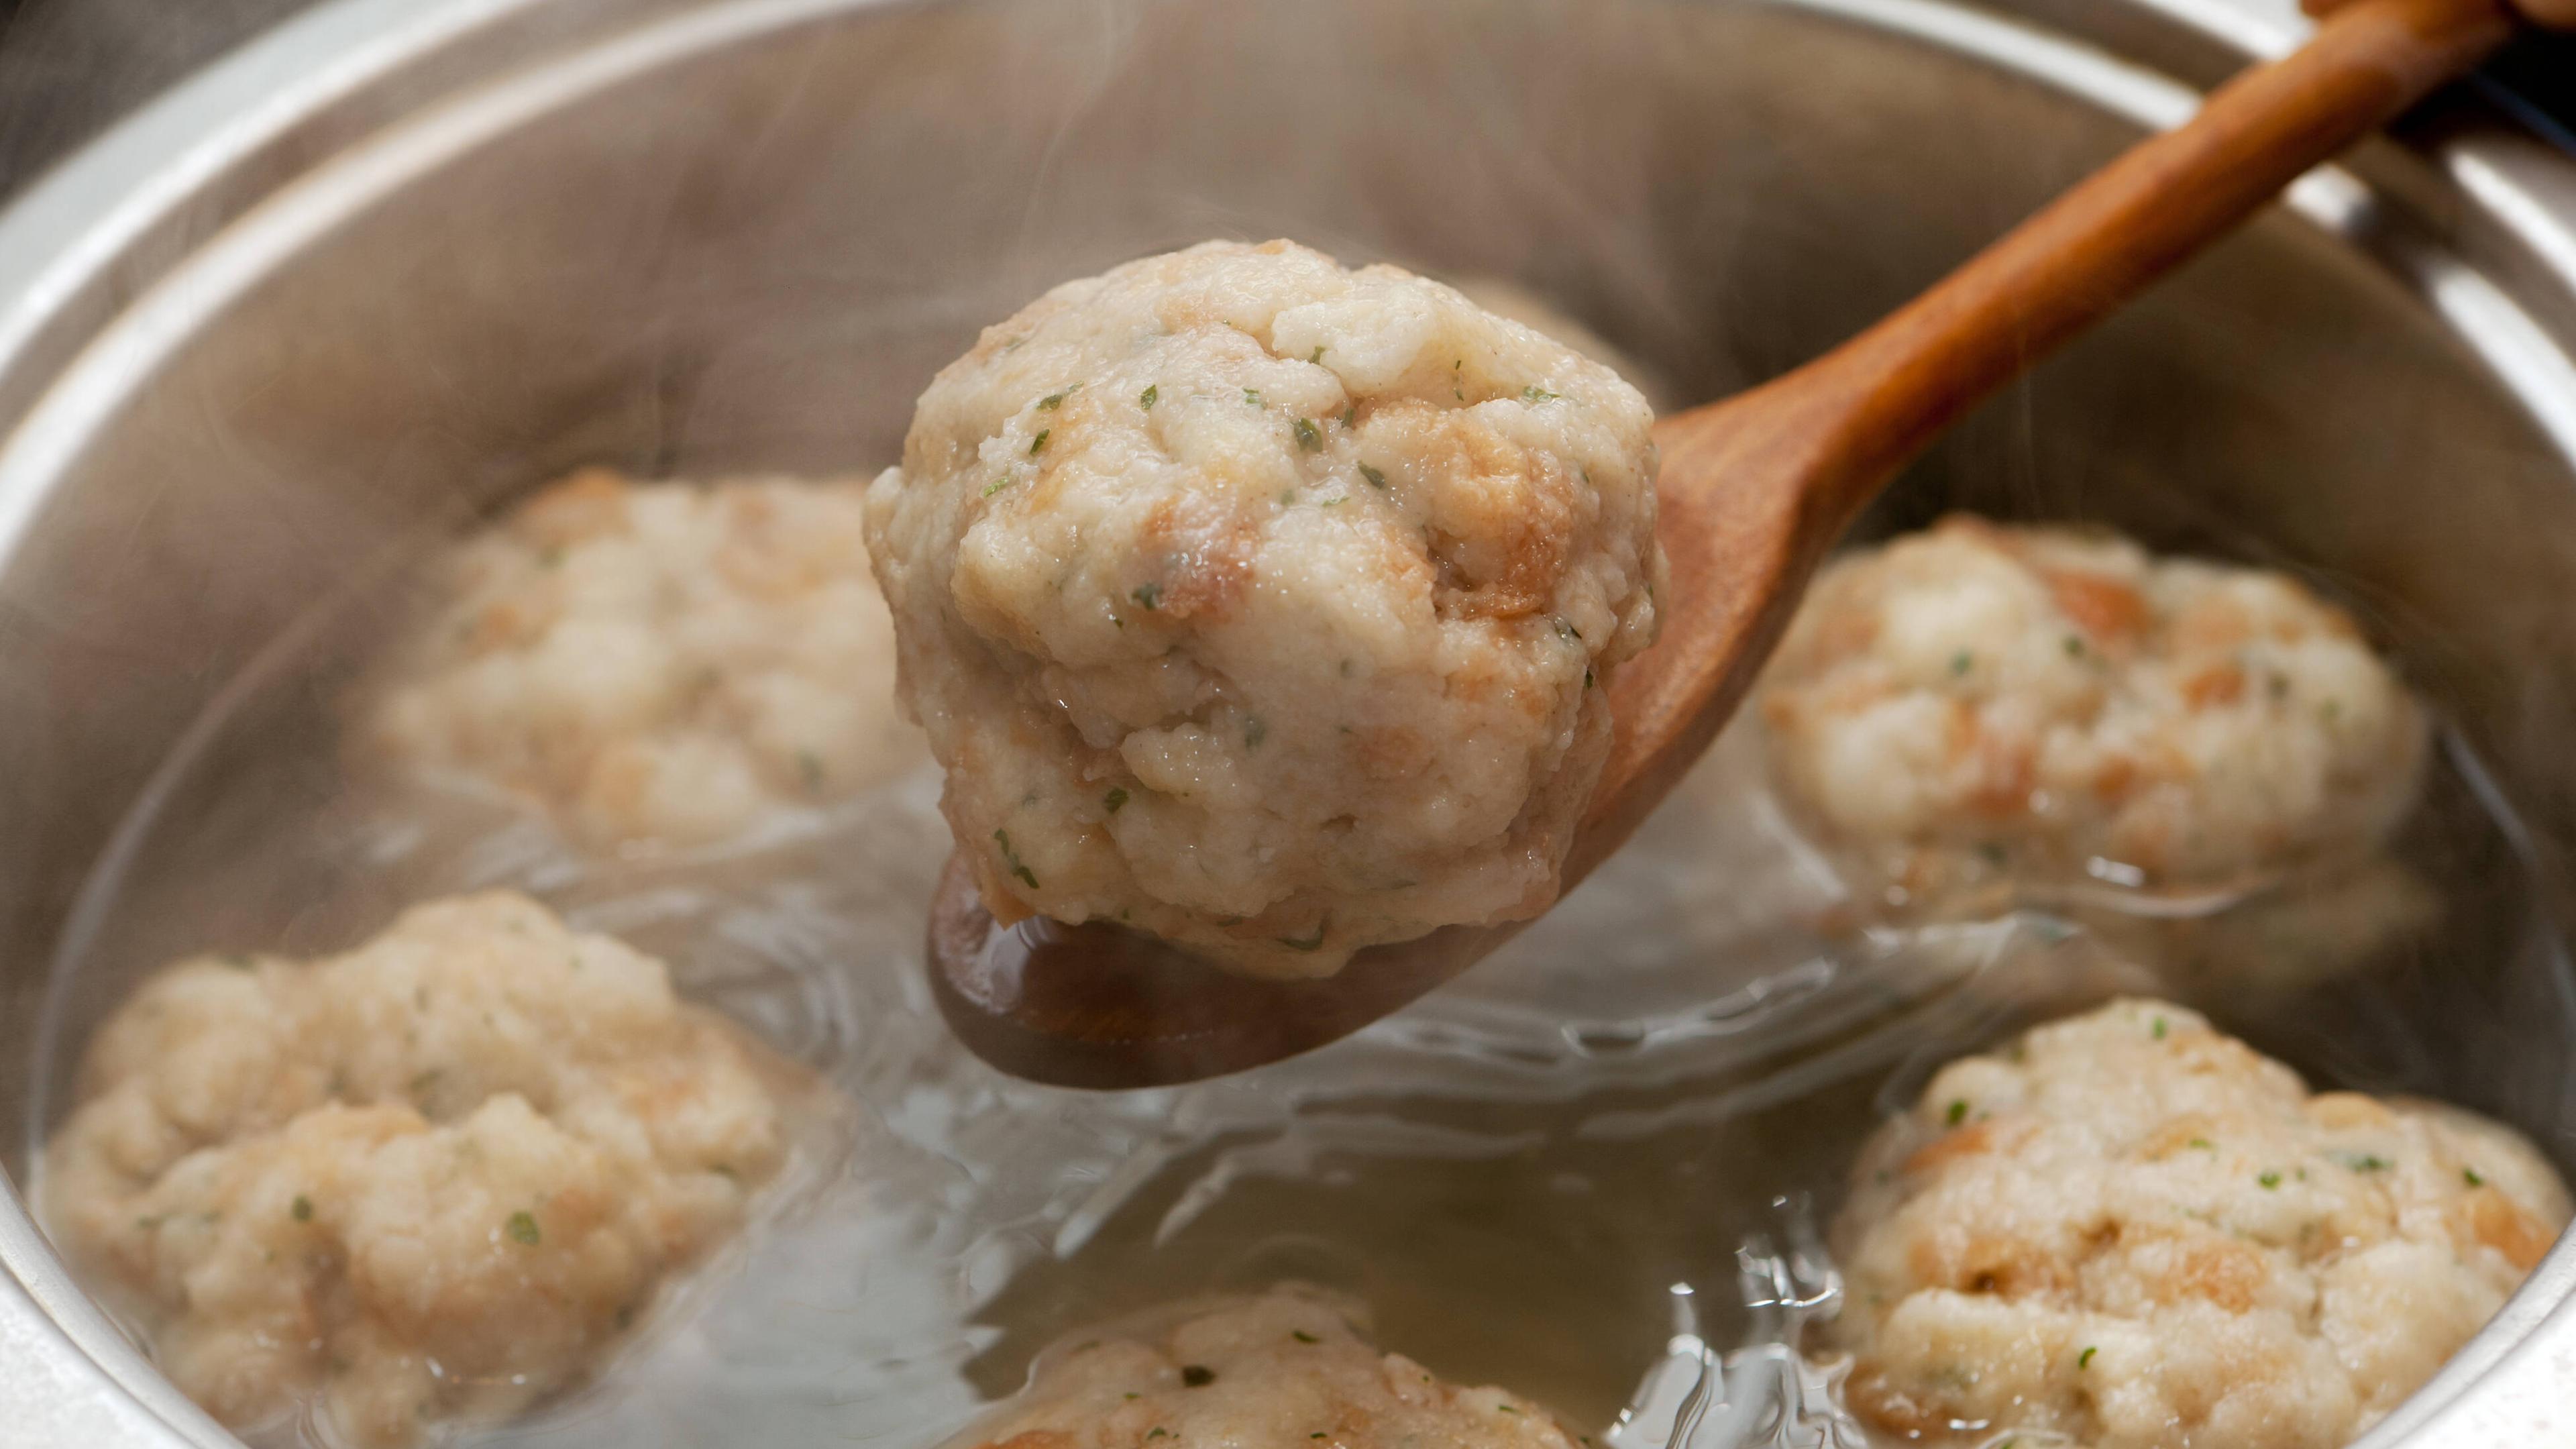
(1759, 485)
(2104, 241)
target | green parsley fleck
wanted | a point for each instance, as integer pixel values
(2159, 1029)
(1536, 394)
(1350, 414)
(2363, 1161)
(2204, 1144)
(1506, 1408)
(1146, 398)
(2085, 1359)
(1375, 478)
(2269, 1180)
(1302, 1336)
(2074, 647)
(1317, 355)
(2470, 1176)
(1255, 730)
(1958, 1111)
(1197, 1375)
(1309, 437)
(1012, 859)
(1054, 400)
(1252, 397)
(1587, 679)
(1115, 800)
(1962, 661)
(1149, 595)
(523, 1228)
(1159, 1432)
(302, 1211)
(1039, 442)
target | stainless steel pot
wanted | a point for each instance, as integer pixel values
(404, 257)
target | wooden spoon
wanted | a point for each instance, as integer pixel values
(1753, 492)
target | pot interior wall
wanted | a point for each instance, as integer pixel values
(754, 255)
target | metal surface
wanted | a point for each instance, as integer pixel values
(1765, 1394)
(401, 259)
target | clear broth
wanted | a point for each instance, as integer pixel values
(1515, 1173)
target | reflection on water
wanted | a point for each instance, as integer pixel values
(1516, 1173)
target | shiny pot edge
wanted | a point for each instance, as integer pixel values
(106, 226)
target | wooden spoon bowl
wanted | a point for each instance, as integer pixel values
(1754, 490)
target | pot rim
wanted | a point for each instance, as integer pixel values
(110, 259)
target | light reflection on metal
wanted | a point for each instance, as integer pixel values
(1767, 1393)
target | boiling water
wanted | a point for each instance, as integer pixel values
(1517, 1173)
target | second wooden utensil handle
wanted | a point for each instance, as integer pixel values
(2106, 240)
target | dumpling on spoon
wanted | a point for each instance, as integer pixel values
(1266, 605)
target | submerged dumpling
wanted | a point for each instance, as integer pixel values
(662, 663)
(2134, 1232)
(431, 1179)
(1284, 1370)
(2057, 704)
(1267, 605)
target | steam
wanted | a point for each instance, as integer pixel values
(70, 67)
(756, 262)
